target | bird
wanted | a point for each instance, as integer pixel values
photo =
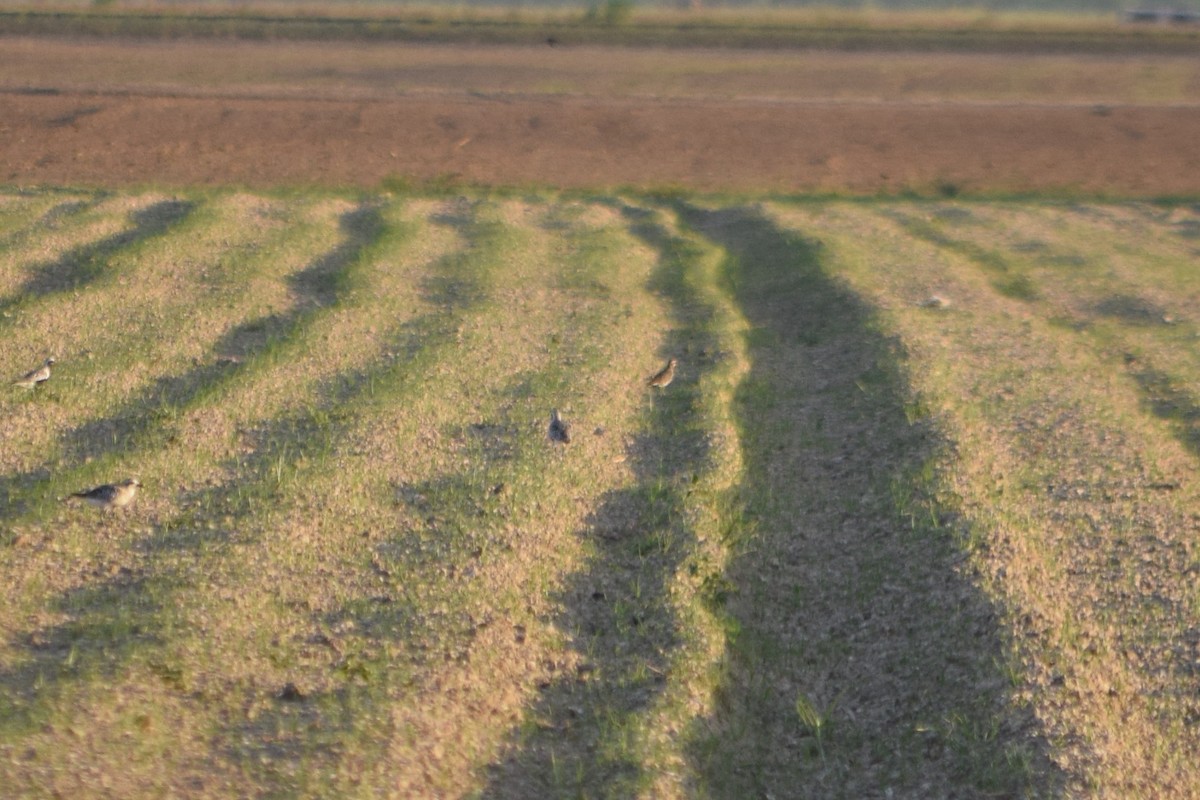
(559, 431)
(35, 376)
(935, 301)
(111, 495)
(664, 376)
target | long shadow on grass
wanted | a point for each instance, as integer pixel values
(313, 288)
(111, 619)
(84, 265)
(617, 612)
(1168, 400)
(861, 661)
(1007, 279)
(50, 219)
(1163, 395)
(300, 736)
(146, 420)
(131, 613)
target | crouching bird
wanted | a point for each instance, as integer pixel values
(35, 376)
(111, 495)
(662, 379)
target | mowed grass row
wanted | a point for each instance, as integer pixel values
(1063, 366)
(865, 544)
(340, 572)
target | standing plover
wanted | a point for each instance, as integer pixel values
(664, 376)
(111, 495)
(35, 376)
(559, 431)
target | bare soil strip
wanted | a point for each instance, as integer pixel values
(597, 142)
(120, 113)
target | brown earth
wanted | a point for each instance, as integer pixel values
(82, 133)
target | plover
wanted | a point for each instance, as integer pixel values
(559, 431)
(664, 376)
(111, 495)
(35, 376)
(935, 301)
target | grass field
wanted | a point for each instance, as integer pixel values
(916, 517)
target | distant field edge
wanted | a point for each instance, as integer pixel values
(920, 34)
(443, 188)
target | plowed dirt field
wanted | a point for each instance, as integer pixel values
(110, 114)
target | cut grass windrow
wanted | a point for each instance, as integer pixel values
(1124, 518)
(470, 563)
(147, 446)
(216, 515)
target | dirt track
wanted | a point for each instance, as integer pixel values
(60, 123)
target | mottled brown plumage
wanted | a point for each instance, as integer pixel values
(111, 495)
(35, 376)
(664, 376)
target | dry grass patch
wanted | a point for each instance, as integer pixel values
(1076, 500)
(864, 544)
(353, 596)
(124, 376)
(644, 640)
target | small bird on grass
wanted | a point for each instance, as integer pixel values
(559, 431)
(935, 301)
(111, 495)
(35, 376)
(662, 379)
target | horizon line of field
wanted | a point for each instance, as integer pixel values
(1114, 39)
